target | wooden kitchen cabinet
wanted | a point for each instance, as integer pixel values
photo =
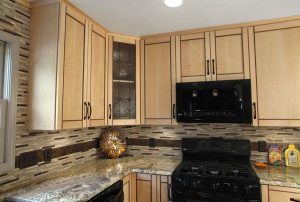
(214, 55)
(73, 70)
(275, 70)
(158, 81)
(191, 54)
(96, 86)
(150, 188)
(126, 188)
(123, 80)
(67, 69)
(280, 194)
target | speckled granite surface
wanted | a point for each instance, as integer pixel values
(89, 179)
(279, 176)
(85, 181)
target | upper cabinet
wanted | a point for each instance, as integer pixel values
(158, 81)
(275, 70)
(67, 85)
(214, 55)
(123, 80)
(73, 88)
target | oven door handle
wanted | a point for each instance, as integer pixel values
(170, 192)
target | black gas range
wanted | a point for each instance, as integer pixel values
(215, 170)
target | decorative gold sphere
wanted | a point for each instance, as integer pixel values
(111, 144)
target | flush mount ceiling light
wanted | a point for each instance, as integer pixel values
(173, 3)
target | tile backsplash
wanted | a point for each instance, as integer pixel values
(168, 137)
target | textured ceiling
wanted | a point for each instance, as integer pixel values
(144, 17)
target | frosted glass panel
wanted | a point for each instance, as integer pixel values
(124, 82)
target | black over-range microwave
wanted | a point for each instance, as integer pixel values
(214, 102)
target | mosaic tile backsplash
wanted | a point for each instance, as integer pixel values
(171, 135)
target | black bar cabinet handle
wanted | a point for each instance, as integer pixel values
(207, 67)
(213, 65)
(89, 110)
(86, 110)
(254, 110)
(174, 116)
(109, 106)
(295, 200)
(169, 192)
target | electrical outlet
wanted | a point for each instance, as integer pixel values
(152, 142)
(47, 154)
(262, 146)
(28, 159)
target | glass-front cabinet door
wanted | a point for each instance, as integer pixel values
(123, 81)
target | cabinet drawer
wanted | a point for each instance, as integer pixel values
(278, 196)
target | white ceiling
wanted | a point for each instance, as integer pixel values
(144, 17)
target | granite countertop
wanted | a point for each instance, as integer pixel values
(87, 180)
(279, 176)
(94, 176)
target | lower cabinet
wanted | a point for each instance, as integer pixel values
(280, 194)
(139, 187)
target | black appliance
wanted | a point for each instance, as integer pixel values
(114, 193)
(214, 101)
(215, 170)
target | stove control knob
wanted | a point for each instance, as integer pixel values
(181, 181)
(251, 189)
(216, 185)
(235, 188)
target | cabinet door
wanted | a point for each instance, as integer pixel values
(144, 189)
(159, 81)
(97, 78)
(229, 54)
(191, 57)
(126, 188)
(163, 183)
(277, 53)
(123, 81)
(73, 71)
(283, 194)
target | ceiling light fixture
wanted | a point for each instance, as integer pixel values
(173, 3)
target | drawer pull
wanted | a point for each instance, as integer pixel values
(295, 200)
(213, 65)
(207, 67)
(85, 110)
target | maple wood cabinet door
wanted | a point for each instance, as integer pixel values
(144, 189)
(191, 57)
(229, 54)
(97, 78)
(73, 72)
(277, 73)
(158, 84)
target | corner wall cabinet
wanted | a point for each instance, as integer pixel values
(214, 55)
(123, 81)
(275, 70)
(158, 81)
(67, 77)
